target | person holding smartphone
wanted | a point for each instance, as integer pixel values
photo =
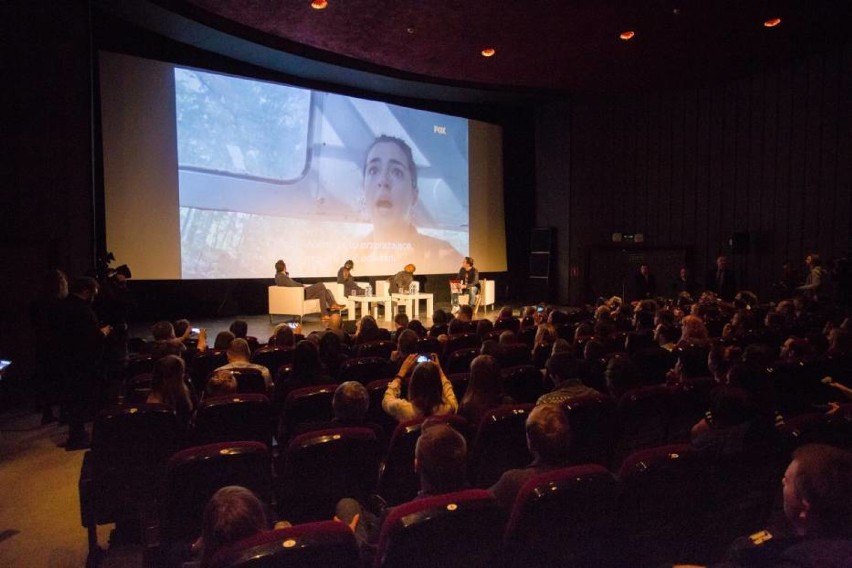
(430, 393)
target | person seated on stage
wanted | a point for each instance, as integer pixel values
(564, 371)
(429, 391)
(402, 279)
(344, 276)
(221, 383)
(316, 291)
(549, 442)
(440, 459)
(469, 277)
(816, 490)
(239, 356)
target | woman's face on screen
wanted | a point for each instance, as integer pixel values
(388, 185)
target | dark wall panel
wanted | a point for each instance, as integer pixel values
(767, 154)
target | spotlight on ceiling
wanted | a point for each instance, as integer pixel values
(628, 35)
(488, 52)
(771, 22)
(319, 4)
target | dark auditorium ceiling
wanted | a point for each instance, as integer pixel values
(556, 46)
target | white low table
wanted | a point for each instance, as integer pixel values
(412, 303)
(352, 302)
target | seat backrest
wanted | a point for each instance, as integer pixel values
(663, 501)
(459, 382)
(500, 444)
(397, 481)
(234, 417)
(429, 345)
(459, 360)
(643, 416)
(524, 383)
(690, 400)
(323, 467)
(514, 354)
(196, 473)
(131, 445)
(460, 341)
(375, 413)
(249, 381)
(138, 364)
(364, 369)
(306, 404)
(461, 529)
(380, 348)
(593, 428)
(203, 364)
(309, 545)
(581, 501)
(273, 357)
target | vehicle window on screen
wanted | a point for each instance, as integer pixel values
(241, 127)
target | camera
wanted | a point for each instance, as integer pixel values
(422, 358)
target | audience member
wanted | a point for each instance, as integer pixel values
(221, 383)
(549, 442)
(816, 490)
(564, 371)
(440, 457)
(169, 387)
(238, 358)
(429, 391)
(484, 390)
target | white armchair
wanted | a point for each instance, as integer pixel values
(285, 300)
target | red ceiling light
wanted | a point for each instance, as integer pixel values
(489, 52)
(771, 22)
(319, 4)
(628, 35)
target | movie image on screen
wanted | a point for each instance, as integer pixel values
(268, 171)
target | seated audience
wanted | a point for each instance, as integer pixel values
(168, 387)
(332, 353)
(368, 330)
(223, 340)
(283, 336)
(429, 391)
(232, 514)
(816, 490)
(238, 358)
(564, 371)
(549, 442)
(484, 390)
(440, 458)
(621, 376)
(305, 371)
(221, 383)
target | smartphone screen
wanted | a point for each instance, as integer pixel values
(4, 363)
(195, 330)
(293, 324)
(423, 358)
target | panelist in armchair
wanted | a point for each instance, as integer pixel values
(316, 291)
(469, 277)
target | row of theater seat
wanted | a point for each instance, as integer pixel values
(133, 450)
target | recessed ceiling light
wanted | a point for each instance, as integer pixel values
(771, 22)
(489, 52)
(319, 4)
(628, 35)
